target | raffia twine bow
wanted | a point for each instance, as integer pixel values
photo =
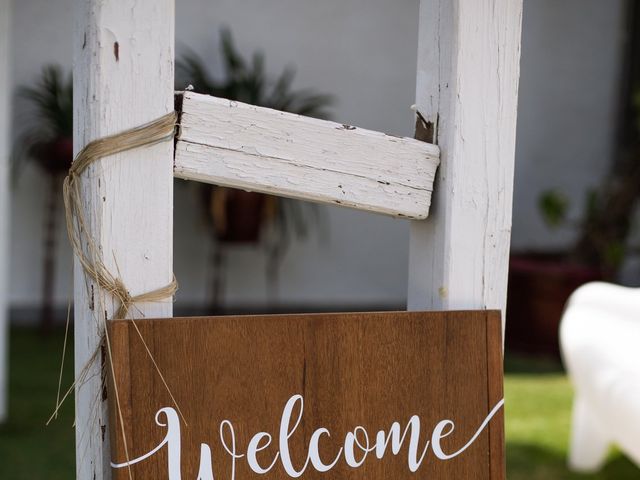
(159, 130)
(90, 255)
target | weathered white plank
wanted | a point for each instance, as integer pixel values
(123, 77)
(467, 86)
(253, 148)
(5, 101)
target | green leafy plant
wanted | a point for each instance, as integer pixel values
(235, 216)
(247, 82)
(553, 205)
(604, 228)
(48, 141)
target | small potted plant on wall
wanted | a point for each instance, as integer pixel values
(236, 216)
(49, 143)
(541, 283)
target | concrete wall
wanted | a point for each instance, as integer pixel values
(363, 52)
(569, 94)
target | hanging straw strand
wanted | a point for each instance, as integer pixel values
(151, 133)
(89, 254)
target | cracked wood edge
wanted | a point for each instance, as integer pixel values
(467, 87)
(253, 148)
(123, 77)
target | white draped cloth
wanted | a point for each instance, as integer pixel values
(600, 339)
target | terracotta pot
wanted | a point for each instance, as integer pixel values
(238, 216)
(539, 286)
(55, 156)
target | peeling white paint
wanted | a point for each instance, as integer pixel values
(467, 83)
(128, 197)
(253, 148)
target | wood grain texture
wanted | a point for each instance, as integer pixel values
(123, 77)
(253, 148)
(367, 369)
(467, 89)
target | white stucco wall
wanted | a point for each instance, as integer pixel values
(363, 52)
(569, 94)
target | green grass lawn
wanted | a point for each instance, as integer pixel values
(538, 400)
(29, 450)
(538, 406)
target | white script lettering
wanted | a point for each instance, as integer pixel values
(356, 445)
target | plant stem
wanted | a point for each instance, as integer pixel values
(50, 230)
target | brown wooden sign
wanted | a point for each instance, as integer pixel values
(336, 396)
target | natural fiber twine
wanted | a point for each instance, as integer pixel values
(159, 130)
(89, 254)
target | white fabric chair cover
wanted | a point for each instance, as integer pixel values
(600, 341)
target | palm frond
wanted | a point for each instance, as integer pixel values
(52, 97)
(190, 70)
(234, 63)
(247, 81)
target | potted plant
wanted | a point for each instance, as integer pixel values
(236, 216)
(540, 283)
(49, 143)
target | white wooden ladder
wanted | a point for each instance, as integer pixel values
(467, 82)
